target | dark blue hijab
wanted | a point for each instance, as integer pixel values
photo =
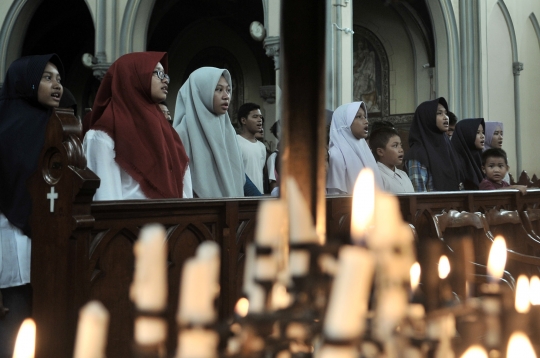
(432, 148)
(470, 157)
(22, 133)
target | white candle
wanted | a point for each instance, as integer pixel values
(497, 259)
(328, 351)
(444, 267)
(266, 268)
(257, 299)
(26, 340)
(249, 269)
(197, 343)
(301, 227)
(200, 286)
(149, 287)
(415, 276)
(299, 263)
(363, 205)
(348, 303)
(271, 220)
(534, 291)
(92, 331)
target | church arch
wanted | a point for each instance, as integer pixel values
(536, 25)
(134, 26)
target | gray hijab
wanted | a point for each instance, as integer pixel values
(215, 161)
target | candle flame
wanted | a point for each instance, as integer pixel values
(444, 267)
(534, 290)
(363, 204)
(26, 340)
(242, 307)
(497, 258)
(475, 351)
(415, 275)
(523, 303)
(519, 346)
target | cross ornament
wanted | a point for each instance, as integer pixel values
(52, 196)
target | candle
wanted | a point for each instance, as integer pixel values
(149, 287)
(348, 302)
(497, 259)
(92, 330)
(446, 296)
(475, 351)
(26, 340)
(301, 227)
(271, 219)
(520, 346)
(414, 272)
(197, 343)
(266, 268)
(200, 286)
(249, 269)
(534, 291)
(280, 297)
(363, 204)
(299, 263)
(444, 267)
(347, 351)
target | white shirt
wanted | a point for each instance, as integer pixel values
(395, 181)
(116, 184)
(271, 166)
(254, 157)
(14, 255)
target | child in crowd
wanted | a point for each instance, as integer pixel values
(468, 141)
(494, 139)
(452, 121)
(495, 166)
(32, 88)
(386, 146)
(134, 151)
(202, 121)
(165, 110)
(349, 153)
(253, 151)
(431, 162)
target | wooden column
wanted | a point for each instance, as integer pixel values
(303, 26)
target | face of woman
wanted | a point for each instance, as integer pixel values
(497, 139)
(222, 97)
(442, 118)
(479, 142)
(160, 86)
(359, 126)
(50, 90)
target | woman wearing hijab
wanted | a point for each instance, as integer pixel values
(468, 141)
(31, 89)
(202, 121)
(430, 161)
(129, 144)
(349, 153)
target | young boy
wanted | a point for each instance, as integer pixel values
(386, 146)
(253, 151)
(495, 167)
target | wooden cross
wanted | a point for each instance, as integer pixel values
(52, 196)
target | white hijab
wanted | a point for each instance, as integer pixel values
(215, 161)
(348, 155)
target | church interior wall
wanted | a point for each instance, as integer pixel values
(387, 25)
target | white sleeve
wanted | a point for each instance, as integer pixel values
(271, 166)
(188, 187)
(99, 151)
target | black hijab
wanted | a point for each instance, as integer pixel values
(22, 133)
(470, 158)
(432, 148)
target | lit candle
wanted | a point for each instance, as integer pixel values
(280, 297)
(520, 346)
(534, 291)
(242, 307)
(200, 286)
(26, 340)
(301, 227)
(497, 259)
(149, 287)
(415, 276)
(363, 204)
(92, 331)
(348, 302)
(445, 290)
(475, 351)
(523, 302)
(444, 267)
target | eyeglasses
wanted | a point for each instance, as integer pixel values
(162, 76)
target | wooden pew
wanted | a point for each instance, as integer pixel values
(82, 250)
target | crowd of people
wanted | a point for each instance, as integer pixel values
(140, 152)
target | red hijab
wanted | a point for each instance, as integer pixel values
(147, 147)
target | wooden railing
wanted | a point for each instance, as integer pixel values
(83, 250)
